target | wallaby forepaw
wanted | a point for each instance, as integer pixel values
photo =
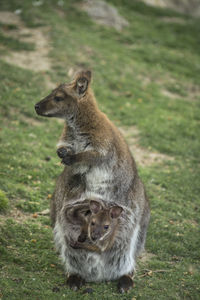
(62, 152)
(75, 282)
(125, 283)
(68, 160)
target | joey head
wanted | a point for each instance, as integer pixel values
(103, 224)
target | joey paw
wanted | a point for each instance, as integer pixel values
(75, 245)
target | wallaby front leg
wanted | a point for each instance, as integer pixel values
(62, 152)
(64, 148)
(86, 158)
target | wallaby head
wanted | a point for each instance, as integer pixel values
(63, 101)
(103, 221)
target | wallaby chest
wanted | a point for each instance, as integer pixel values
(78, 141)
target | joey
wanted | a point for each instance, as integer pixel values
(100, 227)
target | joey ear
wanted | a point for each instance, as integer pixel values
(95, 206)
(115, 211)
(69, 214)
(73, 215)
(82, 81)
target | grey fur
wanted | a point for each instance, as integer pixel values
(120, 184)
(99, 166)
(110, 264)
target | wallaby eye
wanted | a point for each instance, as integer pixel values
(58, 99)
(106, 227)
(87, 212)
(92, 223)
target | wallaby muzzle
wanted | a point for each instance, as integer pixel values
(41, 108)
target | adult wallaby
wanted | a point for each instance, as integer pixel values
(98, 165)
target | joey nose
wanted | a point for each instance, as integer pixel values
(94, 238)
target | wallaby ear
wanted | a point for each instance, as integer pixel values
(72, 215)
(69, 214)
(115, 211)
(95, 206)
(82, 81)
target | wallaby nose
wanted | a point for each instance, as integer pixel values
(37, 106)
(94, 238)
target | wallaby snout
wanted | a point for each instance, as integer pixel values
(37, 107)
(40, 107)
(46, 107)
(95, 235)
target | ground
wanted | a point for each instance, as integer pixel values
(146, 79)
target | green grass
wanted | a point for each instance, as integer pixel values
(14, 44)
(4, 202)
(131, 70)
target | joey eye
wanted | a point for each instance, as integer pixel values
(87, 212)
(58, 99)
(106, 227)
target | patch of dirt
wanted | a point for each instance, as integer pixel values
(170, 94)
(145, 257)
(190, 7)
(142, 156)
(21, 217)
(103, 13)
(7, 17)
(192, 91)
(30, 120)
(173, 20)
(26, 119)
(36, 60)
(60, 12)
(16, 214)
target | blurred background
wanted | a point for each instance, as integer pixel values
(145, 59)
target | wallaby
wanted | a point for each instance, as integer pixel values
(100, 227)
(77, 217)
(99, 165)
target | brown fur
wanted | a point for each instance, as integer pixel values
(94, 227)
(98, 164)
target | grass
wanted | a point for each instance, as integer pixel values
(3, 201)
(132, 69)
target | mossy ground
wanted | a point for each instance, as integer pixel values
(146, 76)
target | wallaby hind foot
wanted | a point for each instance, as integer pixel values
(125, 283)
(75, 282)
